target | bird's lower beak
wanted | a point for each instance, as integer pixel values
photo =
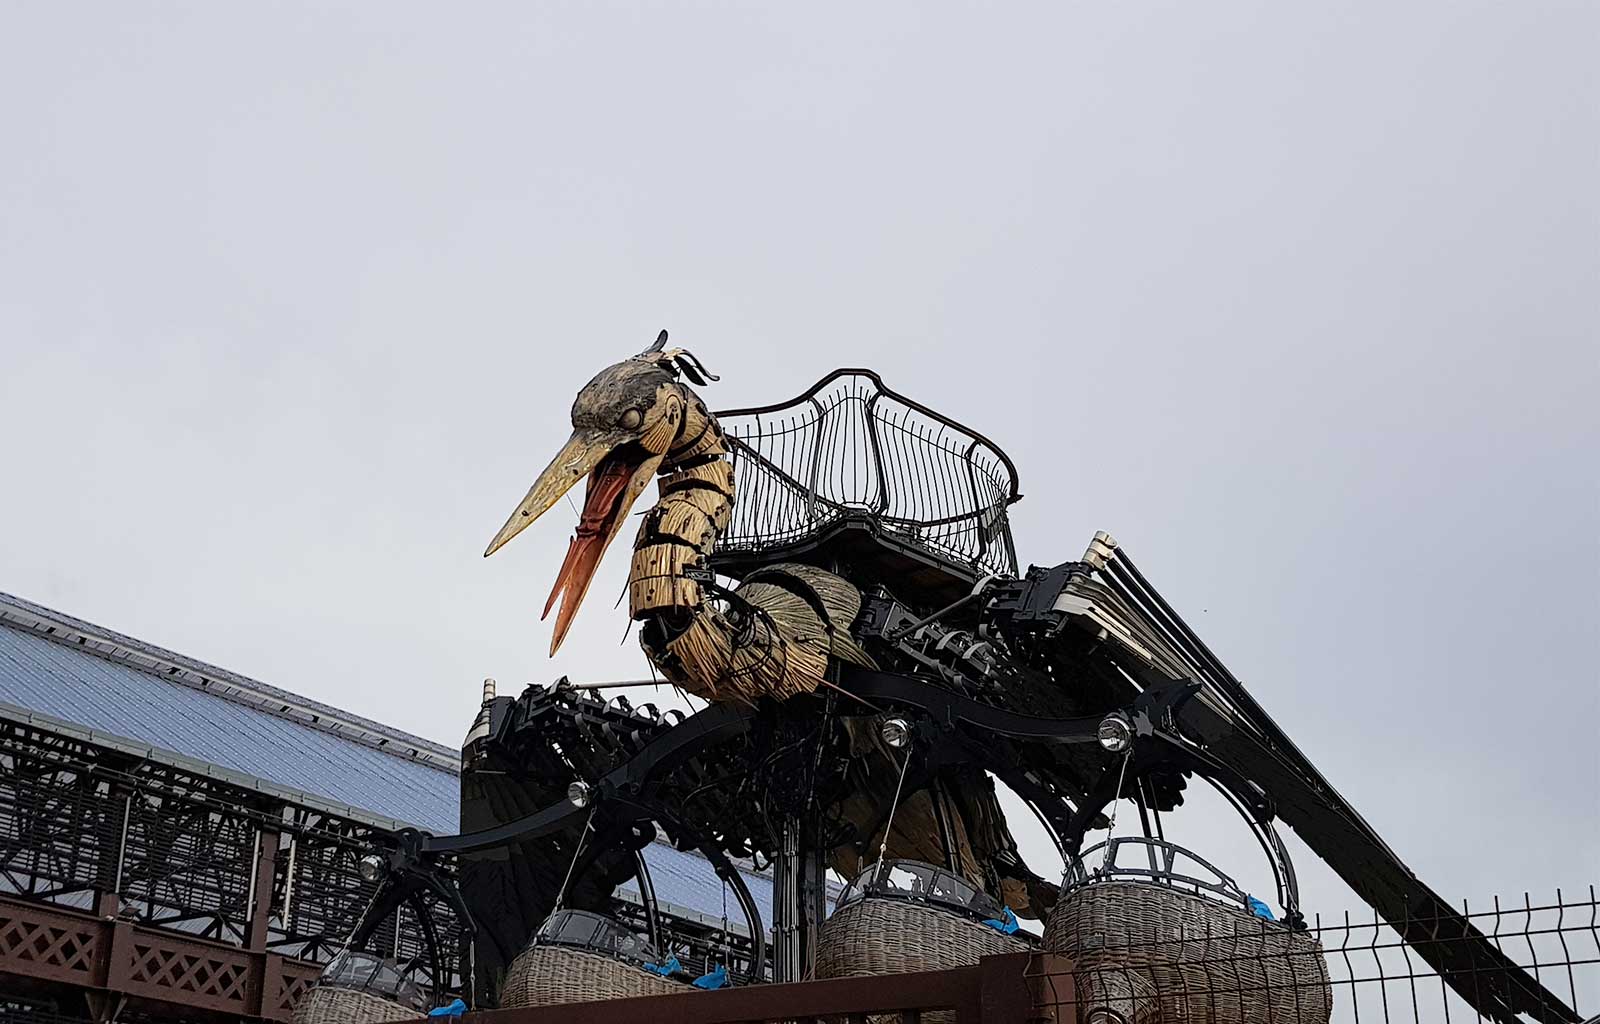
(618, 470)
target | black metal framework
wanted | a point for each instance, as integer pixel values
(89, 827)
(1170, 728)
(850, 448)
(320, 897)
(524, 753)
(60, 824)
(188, 865)
(1076, 686)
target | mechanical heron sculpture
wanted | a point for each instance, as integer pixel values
(1076, 684)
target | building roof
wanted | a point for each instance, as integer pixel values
(74, 677)
(133, 693)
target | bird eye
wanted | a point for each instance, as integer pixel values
(633, 419)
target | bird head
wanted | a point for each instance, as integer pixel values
(623, 422)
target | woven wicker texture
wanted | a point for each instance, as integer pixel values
(332, 1005)
(1115, 997)
(888, 936)
(1202, 960)
(548, 975)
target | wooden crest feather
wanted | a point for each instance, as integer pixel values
(679, 362)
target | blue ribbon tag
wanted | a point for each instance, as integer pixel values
(1009, 925)
(715, 978)
(1260, 909)
(455, 1009)
(667, 969)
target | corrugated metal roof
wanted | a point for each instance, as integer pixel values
(74, 671)
(178, 668)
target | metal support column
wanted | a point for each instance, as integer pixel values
(260, 909)
(814, 901)
(788, 955)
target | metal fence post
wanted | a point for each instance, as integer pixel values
(1003, 989)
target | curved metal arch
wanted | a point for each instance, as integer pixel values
(407, 880)
(647, 808)
(1266, 835)
(647, 896)
(430, 941)
(1046, 806)
(726, 870)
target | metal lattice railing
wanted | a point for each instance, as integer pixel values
(851, 447)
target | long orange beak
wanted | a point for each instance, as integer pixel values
(617, 471)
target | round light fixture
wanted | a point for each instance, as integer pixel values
(896, 732)
(1115, 733)
(579, 794)
(371, 867)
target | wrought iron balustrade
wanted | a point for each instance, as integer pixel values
(850, 447)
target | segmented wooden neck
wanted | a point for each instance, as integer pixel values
(679, 532)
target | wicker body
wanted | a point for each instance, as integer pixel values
(875, 935)
(545, 975)
(328, 1004)
(1200, 960)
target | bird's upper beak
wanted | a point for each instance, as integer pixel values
(618, 468)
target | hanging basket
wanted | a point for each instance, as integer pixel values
(324, 1004)
(1149, 950)
(577, 957)
(360, 988)
(909, 916)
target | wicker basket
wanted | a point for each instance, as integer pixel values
(883, 935)
(1107, 996)
(329, 1004)
(1198, 959)
(544, 975)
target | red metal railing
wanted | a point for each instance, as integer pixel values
(157, 969)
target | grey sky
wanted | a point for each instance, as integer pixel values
(1298, 301)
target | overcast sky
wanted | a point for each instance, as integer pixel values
(1299, 301)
